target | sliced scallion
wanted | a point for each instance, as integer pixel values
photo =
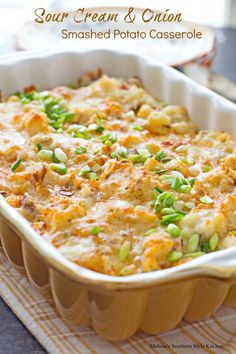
(60, 155)
(45, 155)
(149, 232)
(192, 243)
(95, 230)
(92, 176)
(160, 155)
(173, 230)
(80, 150)
(206, 200)
(194, 254)
(213, 242)
(174, 256)
(124, 251)
(138, 128)
(16, 164)
(58, 167)
(84, 170)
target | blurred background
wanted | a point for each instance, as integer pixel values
(210, 61)
(216, 13)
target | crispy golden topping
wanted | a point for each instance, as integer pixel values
(116, 180)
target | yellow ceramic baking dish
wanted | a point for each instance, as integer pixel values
(116, 307)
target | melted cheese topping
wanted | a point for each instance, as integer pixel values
(125, 185)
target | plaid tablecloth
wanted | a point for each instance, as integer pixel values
(57, 336)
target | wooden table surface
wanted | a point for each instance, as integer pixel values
(14, 337)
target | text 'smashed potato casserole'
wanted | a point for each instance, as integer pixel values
(117, 181)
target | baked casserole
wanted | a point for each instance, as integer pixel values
(119, 182)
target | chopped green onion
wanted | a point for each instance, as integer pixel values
(68, 116)
(191, 181)
(96, 149)
(84, 170)
(58, 167)
(206, 200)
(80, 150)
(173, 230)
(160, 172)
(79, 131)
(167, 211)
(185, 189)
(135, 158)
(92, 176)
(122, 152)
(176, 183)
(39, 146)
(160, 155)
(45, 155)
(190, 205)
(73, 128)
(167, 219)
(192, 243)
(108, 139)
(169, 200)
(138, 128)
(206, 169)
(16, 164)
(57, 112)
(114, 155)
(100, 127)
(26, 97)
(205, 247)
(144, 153)
(149, 232)
(54, 158)
(157, 191)
(95, 230)
(60, 155)
(108, 143)
(174, 256)
(124, 251)
(181, 149)
(164, 104)
(213, 242)
(164, 199)
(233, 233)
(194, 254)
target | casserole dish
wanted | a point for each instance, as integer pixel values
(117, 307)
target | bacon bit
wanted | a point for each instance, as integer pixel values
(124, 86)
(3, 193)
(30, 89)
